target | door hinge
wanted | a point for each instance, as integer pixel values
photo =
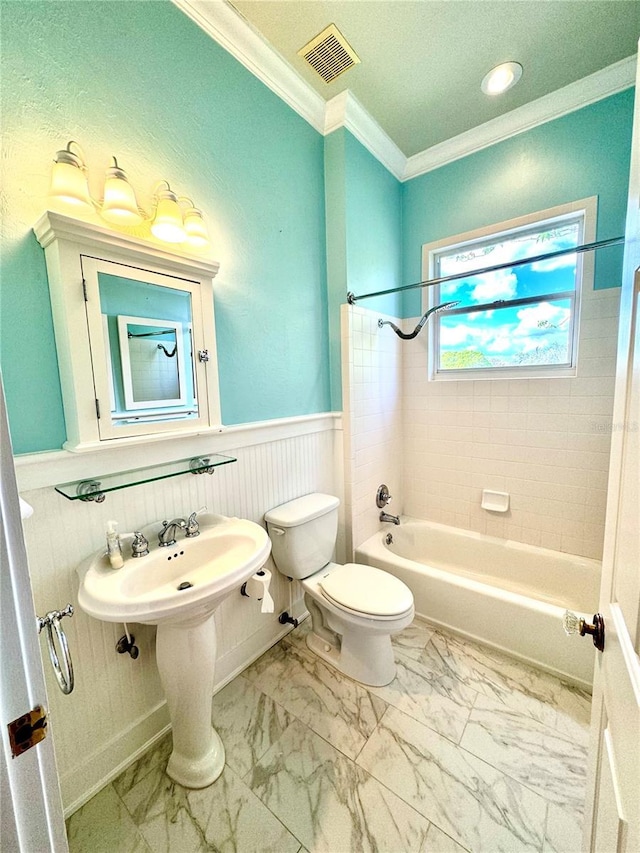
(97, 408)
(84, 290)
(27, 730)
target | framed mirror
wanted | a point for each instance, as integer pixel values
(135, 335)
(155, 380)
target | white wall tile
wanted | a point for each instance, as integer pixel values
(543, 440)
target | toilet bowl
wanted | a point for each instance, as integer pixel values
(354, 609)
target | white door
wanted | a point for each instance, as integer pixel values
(32, 818)
(613, 799)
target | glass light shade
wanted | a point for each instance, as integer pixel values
(167, 224)
(119, 205)
(195, 228)
(501, 78)
(69, 181)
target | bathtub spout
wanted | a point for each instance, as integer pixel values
(392, 519)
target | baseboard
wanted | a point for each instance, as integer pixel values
(100, 768)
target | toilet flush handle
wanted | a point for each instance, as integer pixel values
(278, 531)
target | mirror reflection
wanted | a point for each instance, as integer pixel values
(149, 350)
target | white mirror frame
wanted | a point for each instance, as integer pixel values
(131, 404)
(64, 240)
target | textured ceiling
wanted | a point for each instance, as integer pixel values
(422, 60)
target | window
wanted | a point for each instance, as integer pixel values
(517, 320)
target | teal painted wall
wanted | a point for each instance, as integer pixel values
(374, 228)
(142, 81)
(335, 188)
(364, 235)
(582, 154)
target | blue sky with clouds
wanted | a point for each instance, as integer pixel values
(508, 335)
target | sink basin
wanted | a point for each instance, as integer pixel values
(208, 567)
(146, 589)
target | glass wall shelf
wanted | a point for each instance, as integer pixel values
(95, 488)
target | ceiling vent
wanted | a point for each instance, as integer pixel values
(329, 53)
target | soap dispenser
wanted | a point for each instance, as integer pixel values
(114, 546)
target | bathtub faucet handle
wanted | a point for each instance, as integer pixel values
(382, 496)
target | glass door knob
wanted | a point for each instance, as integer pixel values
(574, 624)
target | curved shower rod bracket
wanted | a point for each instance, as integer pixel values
(166, 351)
(411, 335)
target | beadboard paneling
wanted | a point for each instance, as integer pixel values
(117, 706)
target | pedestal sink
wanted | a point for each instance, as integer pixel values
(178, 588)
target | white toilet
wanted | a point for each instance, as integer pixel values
(354, 608)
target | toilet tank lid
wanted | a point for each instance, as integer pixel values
(301, 510)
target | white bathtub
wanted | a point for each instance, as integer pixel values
(505, 594)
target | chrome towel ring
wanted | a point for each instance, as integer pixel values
(64, 674)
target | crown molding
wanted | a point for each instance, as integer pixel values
(346, 111)
(609, 81)
(232, 31)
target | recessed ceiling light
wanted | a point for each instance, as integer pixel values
(501, 78)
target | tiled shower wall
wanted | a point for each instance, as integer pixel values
(117, 707)
(372, 403)
(545, 441)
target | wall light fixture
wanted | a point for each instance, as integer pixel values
(174, 220)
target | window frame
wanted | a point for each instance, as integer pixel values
(586, 209)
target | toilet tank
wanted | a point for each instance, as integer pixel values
(303, 534)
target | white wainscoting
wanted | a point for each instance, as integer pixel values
(117, 708)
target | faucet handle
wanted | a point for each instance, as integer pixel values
(382, 496)
(192, 527)
(140, 545)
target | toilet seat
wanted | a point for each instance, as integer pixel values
(366, 591)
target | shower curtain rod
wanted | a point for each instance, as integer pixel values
(150, 334)
(587, 247)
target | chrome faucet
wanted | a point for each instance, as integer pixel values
(167, 535)
(392, 519)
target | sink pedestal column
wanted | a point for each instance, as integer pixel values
(186, 655)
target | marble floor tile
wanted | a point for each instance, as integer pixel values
(225, 817)
(538, 694)
(103, 825)
(544, 759)
(291, 726)
(412, 641)
(330, 803)
(478, 806)
(248, 721)
(574, 713)
(157, 756)
(338, 709)
(564, 831)
(430, 694)
(439, 842)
